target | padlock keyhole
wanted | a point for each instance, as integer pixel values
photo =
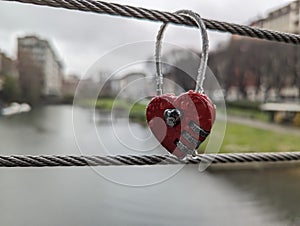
(172, 117)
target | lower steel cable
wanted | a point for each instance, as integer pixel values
(141, 160)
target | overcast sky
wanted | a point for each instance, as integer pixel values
(81, 38)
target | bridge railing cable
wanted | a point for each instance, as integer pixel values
(141, 160)
(155, 15)
(120, 160)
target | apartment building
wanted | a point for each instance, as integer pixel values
(37, 56)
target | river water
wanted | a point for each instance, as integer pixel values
(156, 195)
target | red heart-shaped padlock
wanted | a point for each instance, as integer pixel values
(181, 123)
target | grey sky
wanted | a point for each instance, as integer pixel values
(81, 38)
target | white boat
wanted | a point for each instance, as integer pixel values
(15, 108)
(24, 108)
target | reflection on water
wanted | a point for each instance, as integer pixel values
(275, 190)
(79, 196)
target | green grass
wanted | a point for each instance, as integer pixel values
(109, 104)
(240, 138)
(248, 113)
(247, 109)
(137, 111)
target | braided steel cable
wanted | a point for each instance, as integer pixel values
(141, 160)
(121, 160)
(166, 17)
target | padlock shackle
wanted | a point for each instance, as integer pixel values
(204, 54)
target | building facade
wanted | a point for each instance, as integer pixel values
(36, 56)
(284, 19)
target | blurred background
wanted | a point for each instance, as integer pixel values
(79, 83)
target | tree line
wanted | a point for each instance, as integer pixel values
(263, 65)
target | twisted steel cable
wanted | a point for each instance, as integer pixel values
(121, 160)
(140, 160)
(155, 15)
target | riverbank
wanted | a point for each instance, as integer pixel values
(243, 134)
(240, 137)
(136, 111)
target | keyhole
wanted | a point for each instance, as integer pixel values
(172, 117)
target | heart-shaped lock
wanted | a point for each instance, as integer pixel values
(181, 123)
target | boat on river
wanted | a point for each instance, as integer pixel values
(15, 108)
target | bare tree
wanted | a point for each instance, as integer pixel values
(260, 64)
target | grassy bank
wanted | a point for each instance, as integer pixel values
(241, 138)
(248, 113)
(136, 111)
(247, 109)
